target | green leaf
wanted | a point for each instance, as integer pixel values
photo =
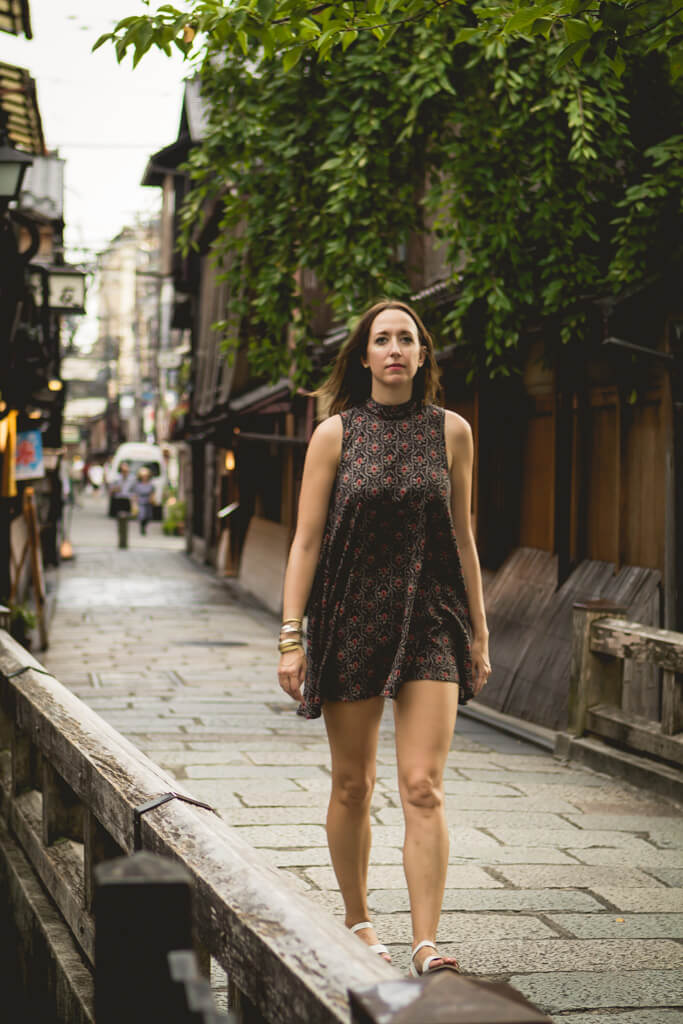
(521, 20)
(102, 40)
(291, 58)
(576, 30)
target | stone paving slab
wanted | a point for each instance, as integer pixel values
(661, 900)
(531, 901)
(611, 926)
(658, 1016)
(544, 856)
(577, 990)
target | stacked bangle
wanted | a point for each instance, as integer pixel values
(291, 633)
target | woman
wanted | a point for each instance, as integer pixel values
(396, 605)
(144, 492)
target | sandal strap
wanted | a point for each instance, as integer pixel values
(421, 945)
(380, 948)
(360, 926)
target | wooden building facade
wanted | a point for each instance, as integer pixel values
(577, 477)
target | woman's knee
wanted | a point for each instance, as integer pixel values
(422, 791)
(353, 789)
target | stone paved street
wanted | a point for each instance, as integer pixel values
(565, 882)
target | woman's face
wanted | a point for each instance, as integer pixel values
(394, 353)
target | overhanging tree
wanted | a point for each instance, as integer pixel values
(551, 179)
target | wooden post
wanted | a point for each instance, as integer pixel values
(442, 998)
(594, 678)
(62, 810)
(142, 913)
(98, 846)
(122, 523)
(24, 762)
(672, 703)
(31, 516)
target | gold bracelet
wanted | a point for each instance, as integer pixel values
(298, 621)
(289, 645)
(290, 629)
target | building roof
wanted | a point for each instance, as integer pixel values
(15, 17)
(43, 189)
(19, 109)
(193, 122)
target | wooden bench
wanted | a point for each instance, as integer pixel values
(603, 639)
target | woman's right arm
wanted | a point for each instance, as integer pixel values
(320, 470)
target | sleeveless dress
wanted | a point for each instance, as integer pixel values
(388, 601)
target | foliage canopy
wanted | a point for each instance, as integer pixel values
(548, 177)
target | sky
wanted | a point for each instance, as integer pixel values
(104, 118)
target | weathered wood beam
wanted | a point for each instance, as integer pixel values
(634, 733)
(290, 959)
(98, 846)
(622, 639)
(672, 703)
(59, 867)
(594, 679)
(62, 809)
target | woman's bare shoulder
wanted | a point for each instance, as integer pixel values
(457, 427)
(326, 439)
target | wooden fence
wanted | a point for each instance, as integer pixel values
(74, 793)
(603, 642)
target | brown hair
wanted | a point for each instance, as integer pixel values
(350, 382)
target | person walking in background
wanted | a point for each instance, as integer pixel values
(385, 558)
(121, 490)
(144, 493)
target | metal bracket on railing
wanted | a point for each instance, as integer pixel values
(27, 668)
(157, 801)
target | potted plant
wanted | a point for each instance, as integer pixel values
(21, 621)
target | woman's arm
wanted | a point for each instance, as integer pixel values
(460, 447)
(320, 470)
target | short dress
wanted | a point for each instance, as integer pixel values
(388, 601)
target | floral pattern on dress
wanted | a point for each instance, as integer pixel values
(388, 602)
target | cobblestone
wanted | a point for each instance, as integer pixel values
(545, 858)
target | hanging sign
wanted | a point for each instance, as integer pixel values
(29, 463)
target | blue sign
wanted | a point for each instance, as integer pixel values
(29, 455)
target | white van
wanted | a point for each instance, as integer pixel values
(138, 454)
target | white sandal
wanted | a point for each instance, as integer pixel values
(449, 963)
(378, 947)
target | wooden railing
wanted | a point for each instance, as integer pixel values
(71, 791)
(75, 793)
(603, 640)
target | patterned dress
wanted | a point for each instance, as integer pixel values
(388, 601)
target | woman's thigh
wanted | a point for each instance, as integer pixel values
(352, 731)
(424, 713)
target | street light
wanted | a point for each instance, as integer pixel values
(13, 167)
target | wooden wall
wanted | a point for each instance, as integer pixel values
(530, 622)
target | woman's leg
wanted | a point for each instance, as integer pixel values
(425, 713)
(352, 730)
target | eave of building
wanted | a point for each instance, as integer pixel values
(15, 18)
(165, 161)
(19, 104)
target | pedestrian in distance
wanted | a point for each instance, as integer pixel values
(144, 494)
(121, 491)
(385, 559)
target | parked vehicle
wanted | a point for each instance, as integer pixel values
(138, 454)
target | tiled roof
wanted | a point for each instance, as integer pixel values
(15, 17)
(19, 109)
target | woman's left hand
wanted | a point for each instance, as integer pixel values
(481, 665)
